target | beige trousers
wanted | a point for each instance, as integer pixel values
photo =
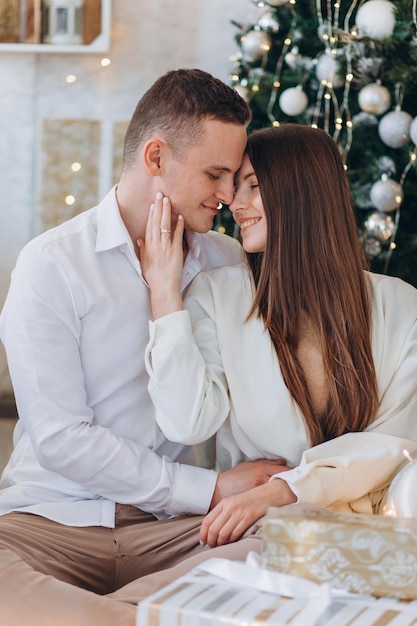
(55, 575)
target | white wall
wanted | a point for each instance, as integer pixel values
(148, 38)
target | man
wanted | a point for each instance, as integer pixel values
(94, 496)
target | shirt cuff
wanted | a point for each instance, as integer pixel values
(305, 487)
(175, 327)
(194, 488)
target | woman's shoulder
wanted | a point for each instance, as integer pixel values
(394, 305)
(388, 287)
(227, 274)
(223, 284)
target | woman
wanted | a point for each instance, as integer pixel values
(298, 354)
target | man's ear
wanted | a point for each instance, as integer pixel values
(154, 154)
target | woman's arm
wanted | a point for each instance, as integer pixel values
(234, 515)
(162, 258)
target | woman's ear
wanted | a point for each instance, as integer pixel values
(154, 153)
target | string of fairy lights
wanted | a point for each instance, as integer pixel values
(350, 39)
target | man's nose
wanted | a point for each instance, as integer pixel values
(225, 192)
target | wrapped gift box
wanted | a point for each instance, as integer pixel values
(201, 599)
(366, 554)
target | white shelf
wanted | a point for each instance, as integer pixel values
(100, 44)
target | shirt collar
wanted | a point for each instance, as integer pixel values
(111, 231)
(193, 242)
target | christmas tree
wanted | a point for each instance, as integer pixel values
(349, 67)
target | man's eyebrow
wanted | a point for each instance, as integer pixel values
(220, 168)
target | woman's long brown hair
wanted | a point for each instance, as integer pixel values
(313, 266)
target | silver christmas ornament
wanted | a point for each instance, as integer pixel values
(376, 19)
(292, 58)
(372, 247)
(268, 21)
(374, 98)
(386, 165)
(386, 194)
(413, 131)
(394, 128)
(379, 225)
(277, 3)
(254, 44)
(293, 101)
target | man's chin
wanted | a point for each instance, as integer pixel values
(200, 228)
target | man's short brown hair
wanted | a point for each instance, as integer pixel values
(175, 105)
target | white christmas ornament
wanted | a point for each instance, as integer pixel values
(374, 99)
(293, 101)
(386, 194)
(376, 19)
(394, 128)
(413, 131)
(254, 44)
(328, 69)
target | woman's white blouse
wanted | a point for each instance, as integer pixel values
(213, 371)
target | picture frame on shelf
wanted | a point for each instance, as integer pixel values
(55, 26)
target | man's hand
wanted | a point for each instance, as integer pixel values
(234, 515)
(245, 476)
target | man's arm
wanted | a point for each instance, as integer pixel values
(41, 329)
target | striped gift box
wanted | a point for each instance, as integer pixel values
(201, 599)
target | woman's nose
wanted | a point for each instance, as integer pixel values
(235, 205)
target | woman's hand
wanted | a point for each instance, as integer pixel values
(161, 257)
(234, 515)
